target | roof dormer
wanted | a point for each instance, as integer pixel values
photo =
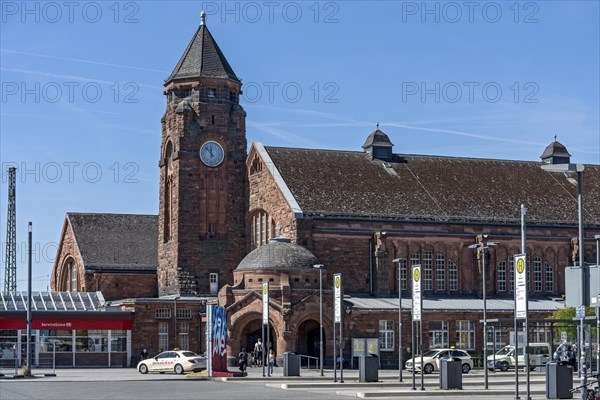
(556, 153)
(378, 146)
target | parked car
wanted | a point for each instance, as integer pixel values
(433, 358)
(505, 357)
(178, 362)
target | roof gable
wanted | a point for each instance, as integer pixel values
(121, 242)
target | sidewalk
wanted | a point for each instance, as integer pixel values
(501, 384)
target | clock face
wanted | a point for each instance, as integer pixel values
(212, 154)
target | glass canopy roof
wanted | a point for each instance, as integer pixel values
(52, 301)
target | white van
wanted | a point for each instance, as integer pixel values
(505, 357)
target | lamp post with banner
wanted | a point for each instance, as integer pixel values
(337, 318)
(558, 167)
(417, 311)
(265, 321)
(397, 260)
(320, 268)
(482, 245)
(521, 306)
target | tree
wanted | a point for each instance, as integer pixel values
(567, 313)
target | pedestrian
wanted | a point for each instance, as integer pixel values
(573, 357)
(258, 350)
(144, 354)
(271, 362)
(243, 360)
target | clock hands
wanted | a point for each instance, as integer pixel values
(211, 154)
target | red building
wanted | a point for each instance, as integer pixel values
(351, 211)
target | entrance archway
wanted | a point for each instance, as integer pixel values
(309, 340)
(253, 331)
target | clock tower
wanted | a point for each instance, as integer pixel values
(203, 179)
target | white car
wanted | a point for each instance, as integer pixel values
(173, 361)
(505, 357)
(433, 359)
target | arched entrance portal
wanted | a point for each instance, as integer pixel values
(252, 332)
(309, 340)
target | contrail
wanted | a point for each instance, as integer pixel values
(83, 61)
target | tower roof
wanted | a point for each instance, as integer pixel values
(202, 58)
(555, 149)
(377, 138)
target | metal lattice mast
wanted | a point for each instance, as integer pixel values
(10, 263)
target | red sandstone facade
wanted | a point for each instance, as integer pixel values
(211, 216)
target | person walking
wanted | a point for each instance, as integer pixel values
(271, 362)
(144, 354)
(258, 350)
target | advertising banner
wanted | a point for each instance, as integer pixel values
(218, 338)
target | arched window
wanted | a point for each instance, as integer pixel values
(428, 270)
(452, 276)
(549, 278)
(261, 229)
(73, 273)
(511, 274)
(256, 166)
(440, 272)
(402, 270)
(168, 192)
(502, 276)
(434, 266)
(537, 274)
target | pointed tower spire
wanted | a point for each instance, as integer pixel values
(202, 58)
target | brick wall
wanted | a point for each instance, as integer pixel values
(145, 329)
(67, 251)
(209, 205)
(122, 286)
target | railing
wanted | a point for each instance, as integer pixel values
(12, 360)
(9, 366)
(46, 363)
(308, 358)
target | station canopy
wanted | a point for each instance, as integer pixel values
(52, 301)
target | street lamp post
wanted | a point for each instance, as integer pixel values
(397, 260)
(484, 245)
(320, 268)
(597, 237)
(579, 169)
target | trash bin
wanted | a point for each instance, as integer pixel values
(450, 373)
(539, 363)
(291, 364)
(559, 380)
(368, 368)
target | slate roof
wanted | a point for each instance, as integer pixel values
(202, 58)
(278, 254)
(116, 242)
(450, 303)
(332, 183)
(555, 149)
(377, 138)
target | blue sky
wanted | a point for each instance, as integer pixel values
(81, 89)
